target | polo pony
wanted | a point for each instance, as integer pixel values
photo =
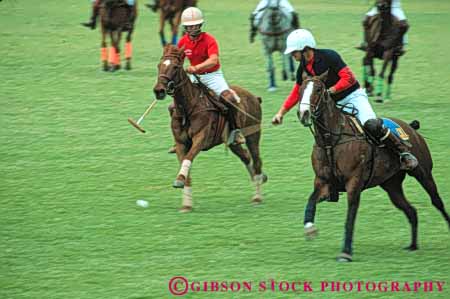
(384, 37)
(115, 19)
(199, 122)
(344, 159)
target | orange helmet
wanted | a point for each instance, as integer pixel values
(191, 16)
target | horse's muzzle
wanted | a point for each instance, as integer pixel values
(305, 118)
(160, 93)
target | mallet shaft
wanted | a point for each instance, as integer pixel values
(147, 111)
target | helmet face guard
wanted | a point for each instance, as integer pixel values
(193, 30)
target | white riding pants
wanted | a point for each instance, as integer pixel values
(360, 101)
(215, 81)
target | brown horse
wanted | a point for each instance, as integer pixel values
(344, 161)
(384, 37)
(170, 11)
(115, 19)
(198, 122)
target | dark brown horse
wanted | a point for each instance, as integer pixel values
(198, 123)
(384, 37)
(344, 161)
(170, 11)
(115, 18)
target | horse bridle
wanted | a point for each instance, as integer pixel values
(171, 85)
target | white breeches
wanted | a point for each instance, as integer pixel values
(359, 100)
(215, 81)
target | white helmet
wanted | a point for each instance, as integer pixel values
(298, 39)
(191, 16)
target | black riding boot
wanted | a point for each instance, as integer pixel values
(408, 161)
(93, 22)
(235, 137)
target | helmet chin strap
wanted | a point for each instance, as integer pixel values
(194, 32)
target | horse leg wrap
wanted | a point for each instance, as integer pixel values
(104, 54)
(112, 55)
(128, 50)
(185, 167)
(187, 196)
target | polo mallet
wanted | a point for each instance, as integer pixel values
(137, 123)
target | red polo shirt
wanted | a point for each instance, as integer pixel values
(199, 50)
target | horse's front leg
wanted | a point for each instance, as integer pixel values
(186, 160)
(387, 57)
(321, 190)
(175, 25)
(354, 188)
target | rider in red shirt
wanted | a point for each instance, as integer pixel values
(202, 50)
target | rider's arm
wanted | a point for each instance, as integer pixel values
(291, 100)
(346, 76)
(213, 60)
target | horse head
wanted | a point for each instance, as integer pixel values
(169, 71)
(315, 98)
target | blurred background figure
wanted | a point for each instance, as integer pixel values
(395, 9)
(130, 4)
(274, 20)
(170, 11)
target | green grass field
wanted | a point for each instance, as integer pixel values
(72, 167)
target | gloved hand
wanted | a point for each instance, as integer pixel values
(277, 119)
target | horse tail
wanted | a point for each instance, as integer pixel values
(415, 124)
(259, 99)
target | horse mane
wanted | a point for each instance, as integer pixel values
(172, 50)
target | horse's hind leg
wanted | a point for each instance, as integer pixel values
(427, 181)
(291, 68)
(161, 29)
(394, 189)
(259, 178)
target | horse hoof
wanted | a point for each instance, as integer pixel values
(185, 209)
(311, 233)
(128, 66)
(178, 184)
(257, 199)
(344, 258)
(272, 89)
(411, 248)
(379, 99)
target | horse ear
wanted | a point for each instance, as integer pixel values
(324, 76)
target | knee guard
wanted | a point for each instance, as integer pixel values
(375, 128)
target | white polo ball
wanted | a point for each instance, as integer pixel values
(142, 203)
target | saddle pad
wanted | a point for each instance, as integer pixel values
(395, 128)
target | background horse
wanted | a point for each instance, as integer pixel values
(384, 36)
(115, 19)
(198, 122)
(274, 27)
(170, 11)
(344, 161)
